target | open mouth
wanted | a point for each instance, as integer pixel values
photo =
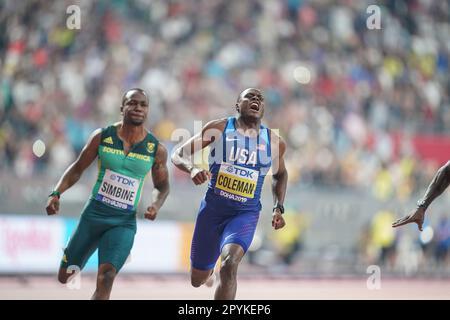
(254, 106)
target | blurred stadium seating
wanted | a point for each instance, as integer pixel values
(365, 113)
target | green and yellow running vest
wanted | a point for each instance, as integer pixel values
(121, 177)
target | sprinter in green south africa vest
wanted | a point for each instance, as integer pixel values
(121, 177)
(126, 153)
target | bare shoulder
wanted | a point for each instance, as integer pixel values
(161, 152)
(95, 136)
(277, 140)
(90, 150)
(218, 124)
(96, 132)
(275, 137)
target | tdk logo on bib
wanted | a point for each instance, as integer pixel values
(122, 180)
(118, 190)
(241, 172)
(236, 182)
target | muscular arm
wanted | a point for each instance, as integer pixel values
(440, 182)
(75, 170)
(280, 174)
(160, 177)
(84, 160)
(279, 179)
(182, 157)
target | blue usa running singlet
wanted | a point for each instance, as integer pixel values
(230, 211)
(239, 165)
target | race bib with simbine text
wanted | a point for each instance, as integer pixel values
(118, 190)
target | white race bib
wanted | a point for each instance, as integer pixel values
(118, 190)
(237, 180)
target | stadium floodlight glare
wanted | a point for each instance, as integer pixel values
(39, 148)
(302, 75)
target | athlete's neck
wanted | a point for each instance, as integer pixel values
(248, 125)
(131, 133)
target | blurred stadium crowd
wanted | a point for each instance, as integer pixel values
(338, 91)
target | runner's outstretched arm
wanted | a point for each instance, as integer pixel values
(75, 170)
(182, 157)
(279, 180)
(440, 182)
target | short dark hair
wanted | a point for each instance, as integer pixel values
(239, 96)
(124, 97)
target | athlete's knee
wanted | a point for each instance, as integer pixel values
(199, 277)
(107, 276)
(229, 266)
(197, 282)
(63, 277)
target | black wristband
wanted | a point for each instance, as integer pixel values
(280, 207)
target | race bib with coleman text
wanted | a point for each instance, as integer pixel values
(118, 190)
(236, 182)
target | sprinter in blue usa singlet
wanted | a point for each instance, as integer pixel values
(242, 151)
(230, 210)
